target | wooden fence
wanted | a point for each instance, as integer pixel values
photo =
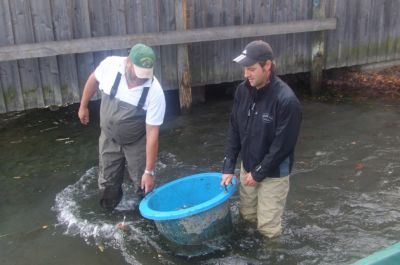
(49, 47)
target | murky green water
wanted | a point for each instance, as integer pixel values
(343, 202)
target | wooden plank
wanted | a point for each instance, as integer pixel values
(396, 30)
(4, 13)
(317, 49)
(247, 19)
(150, 11)
(185, 89)
(134, 19)
(352, 34)
(9, 74)
(363, 20)
(167, 59)
(118, 23)
(63, 30)
(389, 23)
(258, 13)
(344, 14)
(212, 57)
(373, 32)
(302, 40)
(290, 15)
(29, 69)
(269, 12)
(197, 63)
(85, 61)
(332, 45)
(282, 49)
(43, 30)
(100, 26)
(345, 49)
(271, 15)
(237, 44)
(3, 107)
(209, 47)
(233, 15)
(225, 46)
(381, 46)
(15, 52)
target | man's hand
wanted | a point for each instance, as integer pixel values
(147, 183)
(90, 88)
(226, 179)
(249, 180)
(83, 115)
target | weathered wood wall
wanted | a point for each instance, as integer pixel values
(368, 31)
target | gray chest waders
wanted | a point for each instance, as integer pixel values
(121, 121)
(123, 124)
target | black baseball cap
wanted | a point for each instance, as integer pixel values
(254, 52)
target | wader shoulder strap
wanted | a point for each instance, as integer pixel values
(115, 86)
(142, 99)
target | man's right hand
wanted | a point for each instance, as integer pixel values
(226, 179)
(83, 115)
(88, 91)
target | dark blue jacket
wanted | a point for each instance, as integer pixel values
(264, 127)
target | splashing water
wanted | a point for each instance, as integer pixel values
(78, 212)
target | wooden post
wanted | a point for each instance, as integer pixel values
(317, 49)
(185, 90)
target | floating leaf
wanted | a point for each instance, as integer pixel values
(101, 248)
(359, 166)
(121, 226)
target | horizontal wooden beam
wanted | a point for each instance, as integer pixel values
(52, 48)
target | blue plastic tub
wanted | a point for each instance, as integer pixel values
(192, 209)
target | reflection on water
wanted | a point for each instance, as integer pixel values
(342, 204)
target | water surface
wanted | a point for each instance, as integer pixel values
(343, 202)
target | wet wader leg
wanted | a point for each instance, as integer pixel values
(272, 196)
(248, 199)
(135, 154)
(111, 172)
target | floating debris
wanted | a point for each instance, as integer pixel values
(384, 84)
(49, 129)
(359, 166)
(122, 226)
(100, 247)
(62, 139)
(185, 206)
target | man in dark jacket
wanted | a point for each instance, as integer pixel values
(264, 127)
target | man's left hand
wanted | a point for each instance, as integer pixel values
(249, 180)
(147, 183)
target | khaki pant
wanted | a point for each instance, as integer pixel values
(264, 203)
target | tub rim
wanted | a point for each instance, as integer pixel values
(220, 198)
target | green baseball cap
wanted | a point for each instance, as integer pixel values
(143, 58)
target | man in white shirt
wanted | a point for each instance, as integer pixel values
(131, 113)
